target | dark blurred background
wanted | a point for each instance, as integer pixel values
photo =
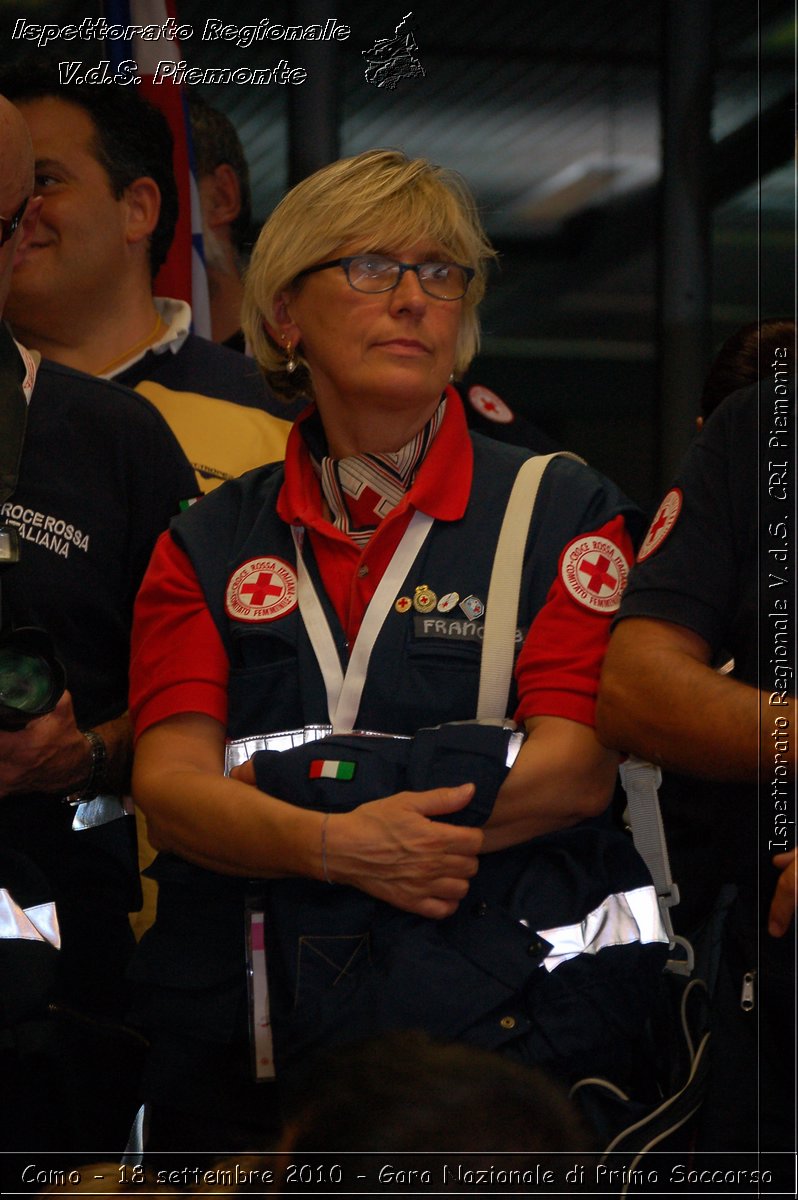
(633, 160)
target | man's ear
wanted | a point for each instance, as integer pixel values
(220, 193)
(143, 200)
(28, 228)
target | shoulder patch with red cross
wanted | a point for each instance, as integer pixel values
(664, 521)
(594, 572)
(261, 589)
(489, 405)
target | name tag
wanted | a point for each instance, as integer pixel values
(455, 629)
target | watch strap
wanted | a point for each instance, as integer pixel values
(96, 781)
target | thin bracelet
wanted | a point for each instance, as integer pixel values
(324, 870)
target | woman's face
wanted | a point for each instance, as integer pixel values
(392, 349)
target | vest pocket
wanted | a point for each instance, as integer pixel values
(264, 699)
(446, 642)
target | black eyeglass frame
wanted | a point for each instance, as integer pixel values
(10, 225)
(403, 266)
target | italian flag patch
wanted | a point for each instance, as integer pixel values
(331, 768)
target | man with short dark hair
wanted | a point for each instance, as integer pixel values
(83, 295)
(94, 477)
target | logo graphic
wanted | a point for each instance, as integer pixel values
(262, 589)
(491, 406)
(394, 58)
(447, 602)
(594, 572)
(662, 524)
(473, 607)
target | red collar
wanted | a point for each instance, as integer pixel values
(441, 489)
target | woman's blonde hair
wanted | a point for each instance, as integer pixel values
(376, 200)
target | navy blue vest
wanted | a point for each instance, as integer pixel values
(424, 668)
(476, 976)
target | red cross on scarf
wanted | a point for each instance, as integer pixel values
(362, 489)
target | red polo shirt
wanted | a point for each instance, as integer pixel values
(178, 660)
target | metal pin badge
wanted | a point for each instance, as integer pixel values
(424, 599)
(473, 607)
(447, 602)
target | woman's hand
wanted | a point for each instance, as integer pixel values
(391, 849)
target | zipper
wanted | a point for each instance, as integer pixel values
(747, 994)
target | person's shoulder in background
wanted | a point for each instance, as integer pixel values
(491, 414)
(204, 368)
(108, 419)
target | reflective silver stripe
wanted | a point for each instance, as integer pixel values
(137, 1138)
(36, 924)
(240, 749)
(99, 811)
(620, 920)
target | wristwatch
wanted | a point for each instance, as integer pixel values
(95, 784)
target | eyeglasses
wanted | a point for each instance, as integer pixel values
(372, 273)
(9, 225)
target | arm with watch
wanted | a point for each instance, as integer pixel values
(52, 756)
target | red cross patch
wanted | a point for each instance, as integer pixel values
(594, 571)
(490, 405)
(261, 589)
(662, 524)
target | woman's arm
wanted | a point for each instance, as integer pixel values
(222, 824)
(562, 775)
(387, 847)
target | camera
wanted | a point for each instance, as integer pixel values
(32, 680)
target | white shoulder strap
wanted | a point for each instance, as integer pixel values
(501, 607)
(640, 779)
(641, 782)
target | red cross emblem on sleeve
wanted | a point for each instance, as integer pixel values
(261, 589)
(594, 571)
(663, 523)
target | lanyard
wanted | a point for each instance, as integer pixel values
(344, 690)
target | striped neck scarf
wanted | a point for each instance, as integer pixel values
(362, 489)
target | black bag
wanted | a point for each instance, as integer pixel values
(69, 1079)
(343, 965)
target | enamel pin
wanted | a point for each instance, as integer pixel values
(425, 599)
